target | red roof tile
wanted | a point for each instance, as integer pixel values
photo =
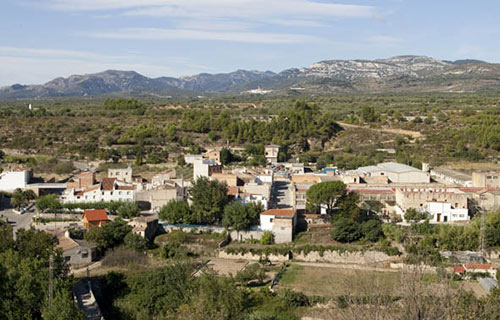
(478, 266)
(459, 269)
(108, 183)
(279, 212)
(95, 215)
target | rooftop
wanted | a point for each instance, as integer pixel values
(388, 166)
(95, 215)
(453, 174)
(279, 212)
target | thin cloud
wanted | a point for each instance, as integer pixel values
(40, 65)
(188, 34)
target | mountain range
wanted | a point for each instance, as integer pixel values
(396, 74)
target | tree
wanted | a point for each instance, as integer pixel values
(135, 242)
(181, 162)
(239, 217)
(215, 297)
(267, 238)
(48, 202)
(128, 210)
(22, 198)
(413, 215)
(324, 194)
(177, 211)
(372, 230)
(226, 156)
(110, 235)
(209, 197)
(346, 230)
(492, 232)
(63, 307)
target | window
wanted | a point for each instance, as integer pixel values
(271, 220)
(85, 254)
(67, 258)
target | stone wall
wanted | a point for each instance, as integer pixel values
(252, 257)
(358, 257)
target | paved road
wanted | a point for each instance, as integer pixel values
(282, 194)
(86, 301)
(16, 220)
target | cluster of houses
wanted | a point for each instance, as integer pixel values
(445, 194)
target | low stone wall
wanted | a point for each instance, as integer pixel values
(252, 257)
(358, 257)
(235, 235)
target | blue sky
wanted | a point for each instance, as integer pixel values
(44, 39)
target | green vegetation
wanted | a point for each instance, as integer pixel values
(24, 266)
(324, 194)
(239, 217)
(209, 198)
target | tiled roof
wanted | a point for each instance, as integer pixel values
(459, 269)
(108, 183)
(478, 266)
(125, 187)
(279, 212)
(95, 215)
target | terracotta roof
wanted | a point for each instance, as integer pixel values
(459, 269)
(372, 191)
(125, 188)
(108, 183)
(233, 190)
(95, 215)
(478, 266)
(279, 212)
(96, 187)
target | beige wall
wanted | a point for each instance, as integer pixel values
(417, 198)
(486, 179)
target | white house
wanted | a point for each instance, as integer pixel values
(11, 180)
(205, 168)
(444, 212)
(110, 189)
(281, 222)
(122, 174)
(191, 158)
(246, 198)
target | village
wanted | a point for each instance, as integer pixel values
(388, 190)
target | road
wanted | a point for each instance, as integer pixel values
(282, 194)
(86, 301)
(16, 220)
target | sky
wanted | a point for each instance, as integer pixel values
(45, 39)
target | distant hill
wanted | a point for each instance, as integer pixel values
(396, 74)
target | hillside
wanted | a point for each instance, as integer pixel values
(397, 74)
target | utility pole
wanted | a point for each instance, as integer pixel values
(483, 227)
(51, 276)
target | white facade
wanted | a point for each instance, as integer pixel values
(205, 168)
(252, 198)
(119, 192)
(192, 158)
(443, 212)
(11, 180)
(267, 222)
(396, 172)
(122, 174)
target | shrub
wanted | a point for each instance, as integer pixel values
(267, 238)
(122, 257)
(346, 230)
(294, 299)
